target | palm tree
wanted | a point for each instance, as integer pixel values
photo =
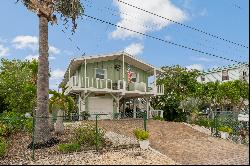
(46, 11)
(62, 104)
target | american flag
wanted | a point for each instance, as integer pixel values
(129, 74)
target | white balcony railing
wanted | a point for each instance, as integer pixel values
(97, 83)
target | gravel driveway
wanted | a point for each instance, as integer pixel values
(185, 145)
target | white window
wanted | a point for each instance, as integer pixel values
(135, 77)
(100, 73)
(202, 78)
(225, 75)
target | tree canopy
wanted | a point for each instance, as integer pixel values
(18, 85)
(183, 91)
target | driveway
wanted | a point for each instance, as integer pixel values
(184, 144)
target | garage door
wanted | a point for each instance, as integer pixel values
(100, 105)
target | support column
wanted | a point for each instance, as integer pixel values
(155, 86)
(85, 71)
(123, 73)
(134, 104)
(81, 104)
(147, 107)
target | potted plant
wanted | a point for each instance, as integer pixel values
(142, 136)
(225, 131)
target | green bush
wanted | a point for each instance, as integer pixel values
(71, 147)
(86, 135)
(4, 130)
(225, 129)
(203, 122)
(85, 115)
(141, 134)
(3, 147)
(15, 122)
(158, 118)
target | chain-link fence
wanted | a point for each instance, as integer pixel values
(226, 124)
(85, 132)
(230, 125)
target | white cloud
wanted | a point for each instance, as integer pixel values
(203, 59)
(22, 42)
(31, 57)
(195, 66)
(134, 49)
(143, 20)
(52, 57)
(53, 50)
(57, 74)
(31, 42)
(4, 51)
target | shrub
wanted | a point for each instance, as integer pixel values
(203, 122)
(86, 135)
(141, 134)
(3, 147)
(158, 118)
(15, 121)
(4, 130)
(71, 147)
(85, 115)
(225, 129)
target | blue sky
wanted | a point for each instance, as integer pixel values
(228, 19)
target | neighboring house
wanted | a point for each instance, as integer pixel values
(228, 73)
(105, 83)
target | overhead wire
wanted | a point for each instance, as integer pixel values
(160, 39)
(184, 25)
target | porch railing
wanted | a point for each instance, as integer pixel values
(97, 83)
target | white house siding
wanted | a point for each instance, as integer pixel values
(233, 73)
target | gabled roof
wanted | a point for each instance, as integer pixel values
(132, 60)
(229, 67)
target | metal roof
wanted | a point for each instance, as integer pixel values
(229, 67)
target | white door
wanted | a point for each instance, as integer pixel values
(100, 105)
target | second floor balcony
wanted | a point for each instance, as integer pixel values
(96, 84)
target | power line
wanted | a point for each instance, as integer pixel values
(77, 47)
(187, 26)
(162, 40)
(154, 26)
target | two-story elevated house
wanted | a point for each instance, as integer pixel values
(105, 83)
(227, 73)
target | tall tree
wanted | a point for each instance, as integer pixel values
(46, 11)
(179, 83)
(17, 85)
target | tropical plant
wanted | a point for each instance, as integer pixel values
(191, 106)
(17, 85)
(11, 122)
(158, 118)
(86, 135)
(141, 134)
(225, 129)
(70, 147)
(63, 105)
(179, 83)
(3, 147)
(46, 11)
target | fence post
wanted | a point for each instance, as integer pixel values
(145, 120)
(96, 135)
(33, 139)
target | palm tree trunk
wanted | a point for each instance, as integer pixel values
(42, 130)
